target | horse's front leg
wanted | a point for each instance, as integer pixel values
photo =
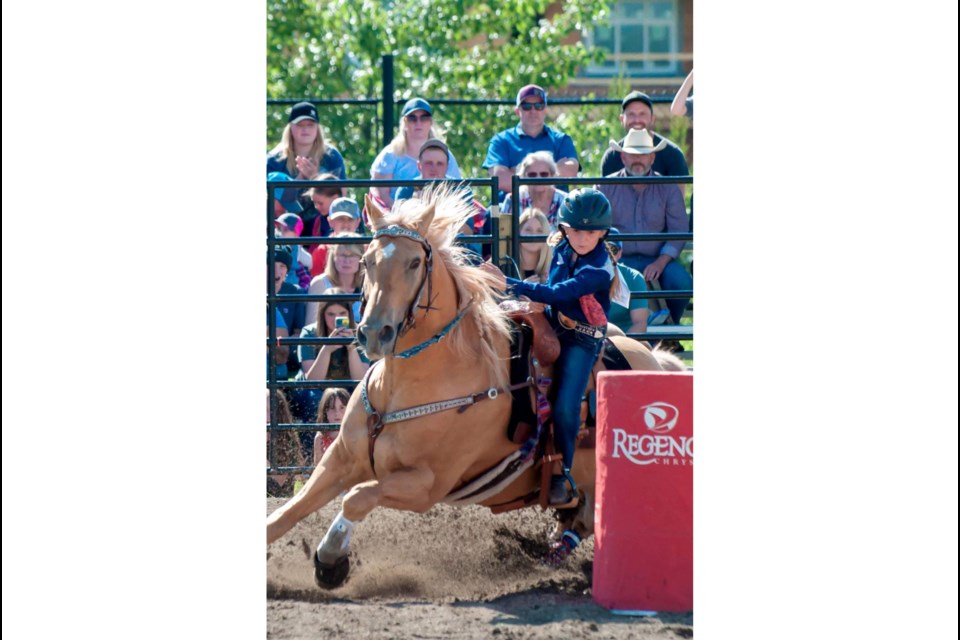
(336, 473)
(407, 489)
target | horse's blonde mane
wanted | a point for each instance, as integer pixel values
(473, 340)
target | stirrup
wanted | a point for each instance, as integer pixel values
(571, 499)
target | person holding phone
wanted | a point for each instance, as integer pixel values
(330, 361)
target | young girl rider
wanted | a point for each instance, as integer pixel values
(578, 292)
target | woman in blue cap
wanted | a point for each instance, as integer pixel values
(398, 160)
(578, 290)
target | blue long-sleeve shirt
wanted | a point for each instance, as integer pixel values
(569, 281)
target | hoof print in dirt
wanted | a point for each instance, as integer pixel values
(331, 577)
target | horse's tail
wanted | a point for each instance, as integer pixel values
(668, 361)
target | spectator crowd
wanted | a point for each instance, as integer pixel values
(530, 148)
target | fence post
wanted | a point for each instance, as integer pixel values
(387, 63)
(515, 219)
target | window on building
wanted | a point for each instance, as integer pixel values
(642, 39)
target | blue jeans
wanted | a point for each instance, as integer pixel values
(673, 278)
(571, 372)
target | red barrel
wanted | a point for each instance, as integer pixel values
(643, 554)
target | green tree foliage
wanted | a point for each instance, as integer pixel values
(442, 49)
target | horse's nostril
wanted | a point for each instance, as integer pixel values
(386, 335)
(362, 335)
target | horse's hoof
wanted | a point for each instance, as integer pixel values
(331, 576)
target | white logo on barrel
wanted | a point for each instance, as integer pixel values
(660, 417)
(656, 447)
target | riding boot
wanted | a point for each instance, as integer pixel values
(559, 495)
(558, 491)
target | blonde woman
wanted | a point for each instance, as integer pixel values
(534, 256)
(342, 271)
(398, 160)
(545, 197)
(303, 153)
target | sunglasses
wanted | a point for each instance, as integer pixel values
(539, 106)
(538, 174)
(415, 118)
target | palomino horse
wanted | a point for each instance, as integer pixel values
(444, 347)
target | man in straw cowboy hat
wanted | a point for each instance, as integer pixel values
(636, 112)
(649, 208)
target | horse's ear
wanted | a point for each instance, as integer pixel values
(374, 213)
(426, 217)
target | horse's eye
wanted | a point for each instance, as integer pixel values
(415, 264)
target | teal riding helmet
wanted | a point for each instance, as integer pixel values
(586, 209)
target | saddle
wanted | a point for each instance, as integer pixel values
(535, 347)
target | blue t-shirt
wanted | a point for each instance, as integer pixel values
(331, 162)
(508, 148)
(618, 315)
(591, 274)
(404, 167)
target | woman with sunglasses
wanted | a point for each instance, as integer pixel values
(398, 160)
(545, 197)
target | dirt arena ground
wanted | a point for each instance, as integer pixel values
(448, 573)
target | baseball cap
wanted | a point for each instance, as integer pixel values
(290, 222)
(615, 232)
(635, 96)
(434, 143)
(344, 207)
(415, 104)
(303, 111)
(531, 90)
(287, 197)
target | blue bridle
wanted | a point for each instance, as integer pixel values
(395, 231)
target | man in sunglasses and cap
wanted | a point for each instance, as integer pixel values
(509, 147)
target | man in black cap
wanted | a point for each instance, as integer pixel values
(636, 112)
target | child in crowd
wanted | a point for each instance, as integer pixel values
(289, 225)
(343, 216)
(534, 256)
(333, 405)
(315, 216)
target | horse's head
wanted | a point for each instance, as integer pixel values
(397, 279)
